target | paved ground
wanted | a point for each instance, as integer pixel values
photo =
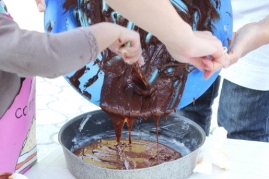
(57, 101)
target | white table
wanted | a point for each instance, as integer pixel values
(248, 160)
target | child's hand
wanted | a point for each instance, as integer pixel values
(128, 46)
(41, 6)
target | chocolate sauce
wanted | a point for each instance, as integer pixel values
(140, 154)
(123, 96)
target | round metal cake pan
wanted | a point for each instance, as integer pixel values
(174, 131)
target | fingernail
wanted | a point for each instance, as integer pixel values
(41, 7)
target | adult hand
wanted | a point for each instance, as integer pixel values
(128, 46)
(162, 20)
(244, 41)
(41, 6)
(202, 50)
(248, 38)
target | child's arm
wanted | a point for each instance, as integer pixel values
(116, 38)
(31, 53)
(99, 31)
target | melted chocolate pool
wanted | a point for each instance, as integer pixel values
(139, 154)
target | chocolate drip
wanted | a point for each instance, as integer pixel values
(123, 96)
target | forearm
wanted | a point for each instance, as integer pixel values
(29, 53)
(264, 31)
(154, 16)
(252, 36)
(248, 38)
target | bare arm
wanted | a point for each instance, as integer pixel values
(248, 38)
(155, 16)
(160, 18)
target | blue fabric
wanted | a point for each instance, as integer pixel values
(244, 112)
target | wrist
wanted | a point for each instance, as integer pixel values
(263, 27)
(179, 38)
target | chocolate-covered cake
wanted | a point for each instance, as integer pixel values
(140, 154)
